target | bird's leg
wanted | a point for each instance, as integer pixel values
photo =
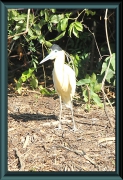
(60, 112)
(74, 126)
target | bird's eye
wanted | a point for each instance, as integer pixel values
(55, 51)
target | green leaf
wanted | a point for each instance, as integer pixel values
(41, 39)
(77, 57)
(41, 12)
(64, 24)
(56, 18)
(24, 78)
(111, 70)
(82, 82)
(30, 32)
(19, 90)
(37, 29)
(34, 82)
(21, 21)
(76, 71)
(19, 83)
(58, 37)
(114, 83)
(87, 76)
(53, 10)
(97, 88)
(59, 27)
(46, 15)
(109, 75)
(32, 37)
(16, 37)
(97, 100)
(95, 97)
(42, 22)
(78, 26)
(19, 86)
(93, 77)
(48, 44)
(75, 32)
(19, 17)
(50, 27)
(27, 74)
(70, 28)
(31, 18)
(90, 12)
(17, 27)
(105, 64)
(68, 14)
(44, 91)
(113, 61)
(31, 70)
(85, 94)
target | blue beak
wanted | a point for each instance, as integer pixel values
(50, 56)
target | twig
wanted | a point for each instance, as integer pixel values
(93, 45)
(43, 67)
(56, 123)
(88, 89)
(11, 48)
(27, 27)
(81, 153)
(26, 141)
(106, 139)
(19, 155)
(95, 40)
(109, 101)
(106, 72)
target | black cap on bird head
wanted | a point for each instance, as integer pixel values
(56, 47)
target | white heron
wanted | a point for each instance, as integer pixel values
(64, 79)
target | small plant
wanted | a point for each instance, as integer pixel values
(110, 78)
(46, 92)
(29, 74)
(90, 90)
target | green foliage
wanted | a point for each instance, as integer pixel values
(16, 23)
(47, 26)
(27, 75)
(90, 89)
(44, 91)
(110, 78)
(74, 28)
(89, 12)
(80, 53)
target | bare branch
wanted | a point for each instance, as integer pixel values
(106, 72)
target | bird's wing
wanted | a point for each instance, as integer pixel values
(71, 77)
(66, 85)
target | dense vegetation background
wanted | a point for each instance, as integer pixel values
(87, 35)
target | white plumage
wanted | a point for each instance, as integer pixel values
(64, 79)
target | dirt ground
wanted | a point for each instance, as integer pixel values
(35, 143)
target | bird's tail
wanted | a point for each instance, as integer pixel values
(67, 102)
(69, 105)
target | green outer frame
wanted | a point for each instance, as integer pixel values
(4, 175)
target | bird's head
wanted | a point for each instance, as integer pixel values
(55, 50)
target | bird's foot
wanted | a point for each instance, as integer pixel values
(59, 127)
(74, 129)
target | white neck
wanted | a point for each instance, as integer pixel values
(59, 61)
(59, 66)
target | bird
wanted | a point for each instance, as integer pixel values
(64, 79)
